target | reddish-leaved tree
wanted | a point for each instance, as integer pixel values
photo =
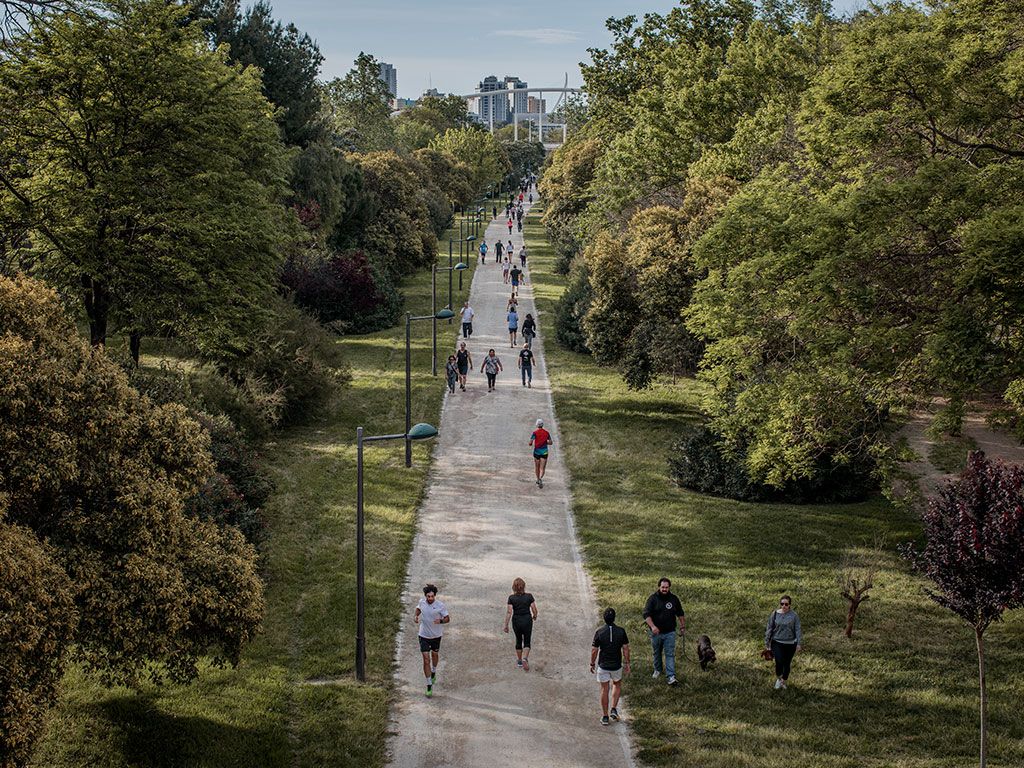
(974, 551)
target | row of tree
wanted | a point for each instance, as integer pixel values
(822, 217)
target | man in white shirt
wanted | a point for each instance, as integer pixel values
(467, 320)
(430, 615)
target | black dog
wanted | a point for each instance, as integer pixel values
(705, 653)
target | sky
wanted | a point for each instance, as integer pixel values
(452, 45)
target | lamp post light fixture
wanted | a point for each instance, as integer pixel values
(460, 267)
(444, 314)
(469, 239)
(419, 432)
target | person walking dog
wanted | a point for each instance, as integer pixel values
(783, 639)
(610, 651)
(661, 613)
(522, 612)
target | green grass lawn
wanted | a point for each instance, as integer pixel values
(293, 701)
(901, 692)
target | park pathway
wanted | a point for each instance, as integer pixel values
(484, 522)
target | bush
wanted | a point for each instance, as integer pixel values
(570, 310)
(38, 613)
(697, 462)
(343, 291)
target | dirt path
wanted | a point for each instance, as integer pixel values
(483, 523)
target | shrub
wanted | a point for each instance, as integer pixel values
(697, 462)
(570, 310)
(343, 290)
(37, 607)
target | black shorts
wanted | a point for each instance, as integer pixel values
(428, 644)
(463, 370)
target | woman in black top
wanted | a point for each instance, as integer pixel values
(529, 330)
(522, 611)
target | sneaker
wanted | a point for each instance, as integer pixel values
(530, 385)
(779, 684)
(671, 680)
(430, 691)
(538, 482)
(784, 686)
(519, 663)
(541, 482)
(656, 674)
(614, 713)
(433, 677)
(526, 665)
(604, 720)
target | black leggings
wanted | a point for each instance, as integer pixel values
(491, 379)
(523, 628)
(783, 653)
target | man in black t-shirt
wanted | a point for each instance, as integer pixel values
(526, 365)
(661, 613)
(610, 649)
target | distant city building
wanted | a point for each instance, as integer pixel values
(389, 76)
(517, 101)
(435, 93)
(536, 106)
(405, 103)
(492, 109)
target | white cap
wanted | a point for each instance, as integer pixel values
(540, 422)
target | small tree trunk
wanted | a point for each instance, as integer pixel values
(983, 755)
(850, 615)
(135, 346)
(97, 309)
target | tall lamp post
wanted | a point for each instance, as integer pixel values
(470, 239)
(419, 432)
(433, 284)
(444, 314)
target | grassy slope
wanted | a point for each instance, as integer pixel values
(902, 692)
(265, 713)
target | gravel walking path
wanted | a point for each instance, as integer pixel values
(484, 522)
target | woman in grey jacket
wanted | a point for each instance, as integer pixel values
(783, 637)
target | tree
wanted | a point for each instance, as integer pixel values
(288, 61)
(478, 150)
(974, 553)
(147, 171)
(101, 475)
(359, 107)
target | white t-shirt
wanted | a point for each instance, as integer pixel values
(428, 613)
(467, 314)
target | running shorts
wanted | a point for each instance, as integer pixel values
(428, 644)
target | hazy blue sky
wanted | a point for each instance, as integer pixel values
(454, 43)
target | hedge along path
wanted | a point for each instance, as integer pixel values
(483, 523)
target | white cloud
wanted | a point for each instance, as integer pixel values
(541, 36)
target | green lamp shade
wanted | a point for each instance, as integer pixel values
(445, 314)
(422, 431)
(460, 266)
(470, 237)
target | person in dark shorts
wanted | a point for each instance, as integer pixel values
(522, 612)
(431, 614)
(463, 362)
(491, 365)
(516, 275)
(513, 326)
(610, 652)
(451, 373)
(661, 613)
(540, 440)
(526, 365)
(483, 252)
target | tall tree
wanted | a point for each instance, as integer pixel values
(974, 553)
(289, 61)
(478, 150)
(148, 171)
(358, 107)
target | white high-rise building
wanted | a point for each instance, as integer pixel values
(389, 76)
(517, 101)
(492, 108)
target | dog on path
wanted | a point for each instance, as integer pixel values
(705, 653)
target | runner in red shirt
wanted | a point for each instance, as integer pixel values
(540, 440)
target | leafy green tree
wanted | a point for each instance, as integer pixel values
(100, 474)
(145, 195)
(567, 191)
(478, 150)
(289, 62)
(327, 191)
(524, 157)
(359, 109)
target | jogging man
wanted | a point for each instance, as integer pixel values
(610, 649)
(526, 366)
(483, 252)
(430, 614)
(463, 361)
(661, 612)
(540, 440)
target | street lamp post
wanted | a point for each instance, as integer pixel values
(469, 239)
(419, 432)
(449, 269)
(444, 314)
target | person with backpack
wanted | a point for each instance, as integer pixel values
(491, 366)
(610, 653)
(541, 441)
(783, 639)
(529, 330)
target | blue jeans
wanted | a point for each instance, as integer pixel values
(666, 641)
(527, 371)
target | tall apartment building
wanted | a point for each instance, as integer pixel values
(492, 108)
(389, 76)
(536, 106)
(517, 101)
